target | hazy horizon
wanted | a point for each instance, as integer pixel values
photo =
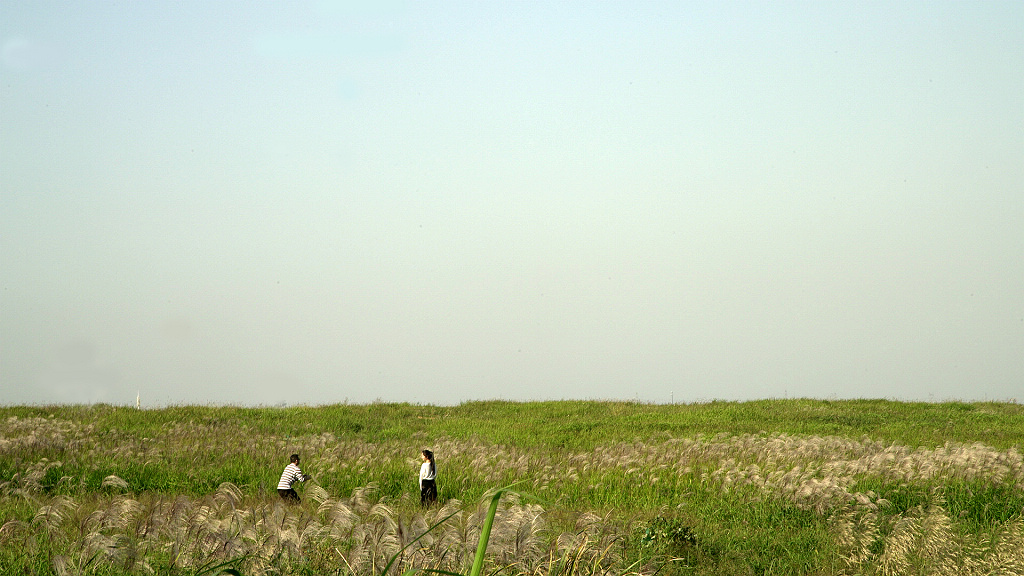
(154, 405)
(257, 204)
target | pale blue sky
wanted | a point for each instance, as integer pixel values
(245, 203)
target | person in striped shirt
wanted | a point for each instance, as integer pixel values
(291, 474)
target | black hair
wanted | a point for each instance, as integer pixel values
(295, 458)
(430, 456)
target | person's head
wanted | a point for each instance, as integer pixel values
(295, 458)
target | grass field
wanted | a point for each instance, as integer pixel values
(767, 487)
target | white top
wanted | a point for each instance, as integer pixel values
(425, 473)
(290, 475)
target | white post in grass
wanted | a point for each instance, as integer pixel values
(138, 399)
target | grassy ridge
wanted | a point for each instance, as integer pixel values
(196, 448)
(582, 424)
(551, 427)
(766, 487)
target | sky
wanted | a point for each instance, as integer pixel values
(268, 203)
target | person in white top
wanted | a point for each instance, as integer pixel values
(291, 474)
(428, 477)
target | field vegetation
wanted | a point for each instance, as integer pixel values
(768, 487)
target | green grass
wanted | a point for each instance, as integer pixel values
(240, 457)
(576, 425)
(627, 463)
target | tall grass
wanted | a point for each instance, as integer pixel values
(754, 487)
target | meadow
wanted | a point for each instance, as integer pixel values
(767, 487)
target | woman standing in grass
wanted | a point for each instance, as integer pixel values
(428, 475)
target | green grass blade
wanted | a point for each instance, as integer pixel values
(485, 534)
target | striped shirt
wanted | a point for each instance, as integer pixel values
(290, 475)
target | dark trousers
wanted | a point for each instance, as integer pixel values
(290, 495)
(428, 492)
